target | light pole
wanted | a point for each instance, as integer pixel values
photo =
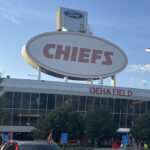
(147, 49)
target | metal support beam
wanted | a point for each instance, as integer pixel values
(65, 79)
(113, 80)
(101, 80)
(38, 73)
(90, 81)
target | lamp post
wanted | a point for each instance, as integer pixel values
(147, 49)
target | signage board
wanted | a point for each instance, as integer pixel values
(77, 56)
(64, 138)
(110, 91)
(125, 140)
(71, 20)
(6, 137)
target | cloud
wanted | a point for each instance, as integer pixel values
(15, 13)
(12, 19)
(138, 68)
(144, 82)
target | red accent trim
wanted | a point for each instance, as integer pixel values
(16, 145)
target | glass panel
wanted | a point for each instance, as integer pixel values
(143, 107)
(135, 117)
(116, 119)
(6, 100)
(42, 112)
(24, 117)
(35, 100)
(1, 116)
(123, 105)
(148, 106)
(123, 120)
(117, 106)
(130, 106)
(34, 115)
(51, 102)
(7, 116)
(67, 100)
(120, 106)
(129, 121)
(82, 102)
(110, 105)
(59, 100)
(49, 111)
(96, 101)
(17, 100)
(26, 100)
(89, 103)
(75, 100)
(43, 101)
(136, 107)
(104, 101)
(16, 117)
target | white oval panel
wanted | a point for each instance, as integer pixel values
(74, 55)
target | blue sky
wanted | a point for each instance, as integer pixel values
(125, 23)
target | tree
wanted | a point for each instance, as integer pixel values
(61, 120)
(141, 127)
(99, 124)
(3, 102)
(1, 79)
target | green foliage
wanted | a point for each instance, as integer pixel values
(1, 79)
(61, 120)
(4, 114)
(141, 127)
(4, 101)
(99, 124)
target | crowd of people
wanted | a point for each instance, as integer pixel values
(140, 145)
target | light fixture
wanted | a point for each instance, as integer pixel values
(147, 49)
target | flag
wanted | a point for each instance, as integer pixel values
(11, 135)
(50, 135)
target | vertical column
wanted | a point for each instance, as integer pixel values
(119, 118)
(78, 103)
(46, 103)
(90, 81)
(114, 108)
(28, 123)
(11, 121)
(38, 102)
(146, 105)
(127, 114)
(85, 105)
(55, 101)
(38, 73)
(66, 79)
(113, 81)
(93, 103)
(21, 108)
(101, 80)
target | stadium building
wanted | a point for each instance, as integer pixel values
(70, 53)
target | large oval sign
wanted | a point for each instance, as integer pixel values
(74, 55)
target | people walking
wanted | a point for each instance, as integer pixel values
(145, 146)
(115, 146)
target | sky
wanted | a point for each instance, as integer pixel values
(126, 23)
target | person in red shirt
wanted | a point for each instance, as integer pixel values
(115, 146)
